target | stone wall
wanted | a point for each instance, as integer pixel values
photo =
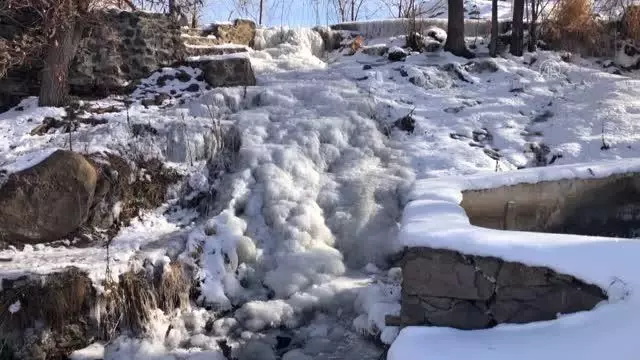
(396, 27)
(606, 207)
(122, 48)
(447, 288)
(127, 46)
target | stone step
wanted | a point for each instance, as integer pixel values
(200, 40)
(198, 50)
(194, 32)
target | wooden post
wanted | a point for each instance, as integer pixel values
(509, 222)
(392, 320)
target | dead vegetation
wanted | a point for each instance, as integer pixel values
(135, 184)
(577, 26)
(62, 312)
(149, 188)
(631, 23)
(66, 298)
(129, 303)
(573, 26)
(61, 302)
(173, 287)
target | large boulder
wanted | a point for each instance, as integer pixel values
(48, 200)
(447, 288)
(231, 71)
(71, 194)
(240, 32)
(397, 54)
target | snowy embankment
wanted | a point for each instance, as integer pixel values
(299, 233)
(434, 219)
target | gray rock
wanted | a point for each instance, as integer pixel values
(47, 201)
(192, 88)
(331, 39)
(228, 72)
(397, 55)
(122, 48)
(157, 100)
(114, 183)
(375, 50)
(241, 32)
(480, 66)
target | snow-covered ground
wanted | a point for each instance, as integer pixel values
(312, 206)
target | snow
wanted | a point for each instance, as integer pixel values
(91, 352)
(605, 331)
(15, 307)
(128, 249)
(198, 58)
(298, 236)
(28, 160)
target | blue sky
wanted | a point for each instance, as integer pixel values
(288, 12)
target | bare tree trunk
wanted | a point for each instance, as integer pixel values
(261, 12)
(54, 87)
(194, 15)
(533, 28)
(517, 32)
(353, 10)
(455, 30)
(172, 7)
(493, 49)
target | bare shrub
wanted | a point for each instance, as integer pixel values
(414, 39)
(573, 26)
(127, 305)
(357, 44)
(173, 286)
(631, 23)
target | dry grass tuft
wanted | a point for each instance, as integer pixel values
(67, 313)
(173, 287)
(128, 304)
(58, 309)
(59, 299)
(572, 26)
(631, 23)
(357, 44)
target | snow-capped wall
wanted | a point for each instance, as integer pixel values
(434, 219)
(448, 288)
(569, 206)
(395, 27)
